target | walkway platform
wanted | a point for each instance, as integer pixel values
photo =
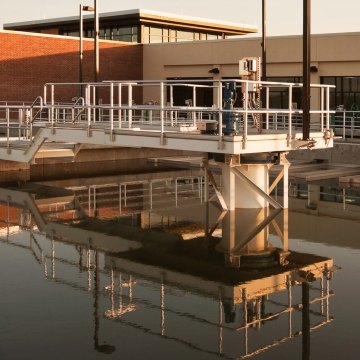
(240, 128)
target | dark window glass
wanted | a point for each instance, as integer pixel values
(346, 92)
(279, 97)
(204, 95)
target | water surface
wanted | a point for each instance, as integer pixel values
(125, 270)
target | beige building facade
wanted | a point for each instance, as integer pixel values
(335, 59)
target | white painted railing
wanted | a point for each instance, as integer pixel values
(346, 124)
(154, 106)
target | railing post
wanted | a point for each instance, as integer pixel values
(328, 108)
(111, 108)
(194, 106)
(267, 106)
(28, 130)
(52, 105)
(290, 113)
(162, 108)
(94, 101)
(344, 124)
(130, 102)
(220, 100)
(119, 102)
(88, 103)
(8, 129)
(322, 109)
(45, 94)
(31, 131)
(246, 104)
(171, 105)
(21, 118)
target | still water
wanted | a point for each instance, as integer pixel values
(124, 269)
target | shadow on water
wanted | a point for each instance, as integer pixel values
(159, 260)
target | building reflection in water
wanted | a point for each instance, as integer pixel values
(150, 267)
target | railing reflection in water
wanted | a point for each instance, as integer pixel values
(133, 292)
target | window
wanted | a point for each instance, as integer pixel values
(156, 35)
(145, 35)
(172, 37)
(89, 33)
(71, 33)
(346, 91)
(105, 33)
(212, 36)
(125, 33)
(166, 35)
(279, 97)
(184, 35)
(204, 95)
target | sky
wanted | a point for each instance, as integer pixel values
(284, 17)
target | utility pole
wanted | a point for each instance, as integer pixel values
(96, 40)
(306, 69)
(81, 50)
(263, 41)
(81, 47)
(263, 60)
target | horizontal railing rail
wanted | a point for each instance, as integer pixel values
(346, 124)
(155, 106)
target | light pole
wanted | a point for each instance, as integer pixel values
(96, 39)
(263, 58)
(263, 41)
(306, 69)
(96, 55)
(81, 49)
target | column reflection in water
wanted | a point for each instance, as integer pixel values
(245, 237)
(234, 287)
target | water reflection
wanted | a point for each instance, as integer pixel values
(155, 257)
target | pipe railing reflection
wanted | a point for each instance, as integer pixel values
(318, 196)
(238, 308)
(241, 307)
(123, 307)
(88, 266)
(131, 196)
(237, 313)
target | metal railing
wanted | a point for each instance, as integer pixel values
(346, 124)
(158, 111)
(122, 110)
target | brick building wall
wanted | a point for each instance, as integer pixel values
(28, 61)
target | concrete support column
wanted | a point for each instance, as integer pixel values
(245, 235)
(238, 231)
(286, 186)
(237, 193)
(228, 183)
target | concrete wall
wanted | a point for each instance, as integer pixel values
(341, 153)
(28, 61)
(332, 54)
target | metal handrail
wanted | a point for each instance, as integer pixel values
(161, 115)
(32, 106)
(347, 124)
(127, 88)
(79, 100)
